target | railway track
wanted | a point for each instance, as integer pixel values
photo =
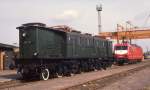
(102, 81)
(15, 83)
(105, 81)
(9, 84)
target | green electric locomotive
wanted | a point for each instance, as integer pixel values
(47, 52)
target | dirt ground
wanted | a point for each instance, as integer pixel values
(147, 87)
(137, 81)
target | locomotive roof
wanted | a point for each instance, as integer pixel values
(59, 28)
(6, 46)
(38, 25)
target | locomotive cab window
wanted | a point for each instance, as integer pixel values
(121, 47)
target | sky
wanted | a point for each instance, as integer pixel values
(78, 14)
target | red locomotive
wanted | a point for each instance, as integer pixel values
(127, 53)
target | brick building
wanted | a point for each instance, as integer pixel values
(7, 55)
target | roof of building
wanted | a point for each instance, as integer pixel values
(6, 46)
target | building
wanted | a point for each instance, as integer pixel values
(7, 56)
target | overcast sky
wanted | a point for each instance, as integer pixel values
(79, 14)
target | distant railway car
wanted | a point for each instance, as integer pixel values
(147, 55)
(127, 53)
(46, 52)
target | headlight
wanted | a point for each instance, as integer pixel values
(24, 34)
(35, 54)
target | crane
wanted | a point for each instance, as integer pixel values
(127, 33)
(146, 20)
(140, 33)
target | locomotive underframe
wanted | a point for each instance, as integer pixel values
(61, 67)
(121, 61)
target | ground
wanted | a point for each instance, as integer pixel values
(137, 81)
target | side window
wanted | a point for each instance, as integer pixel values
(79, 40)
(88, 42)
(76, 40)
(103, 44)
(85, 42)
(97, 41)
(69, 38)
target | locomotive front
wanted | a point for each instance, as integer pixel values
(38, 46)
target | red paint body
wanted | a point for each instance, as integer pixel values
(128, 53)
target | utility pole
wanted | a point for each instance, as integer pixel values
(99, 9)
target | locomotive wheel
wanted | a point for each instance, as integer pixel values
(110, 63)
(59, 72)
(120, 63)
(66, 71)
(98, 66)
(75, 69)
(44, 75)
(104, 65)
(22, 75)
